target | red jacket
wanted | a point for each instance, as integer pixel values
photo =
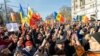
(5, 42)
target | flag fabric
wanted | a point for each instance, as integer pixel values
(13, 17)
(36, 17)
(77, 18)
(22, 18)
(74, 19)
(60, 18)
(21, 11)
(54, 15)
(27, 21)
(30, 12)
(80, 19)
(32, 20)
(33, 24)
(85, 19)
(32, 17)
(22, 15)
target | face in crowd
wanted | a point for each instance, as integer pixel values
(28, 37)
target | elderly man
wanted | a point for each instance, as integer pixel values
(94, 42)
(28, 48)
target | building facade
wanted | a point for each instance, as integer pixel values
(89, 8)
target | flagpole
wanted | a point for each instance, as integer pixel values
(96, 10)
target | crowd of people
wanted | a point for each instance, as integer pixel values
(52, 40)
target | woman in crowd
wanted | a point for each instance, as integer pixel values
(55, 40)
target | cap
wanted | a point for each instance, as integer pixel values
(96, 36)
(28, 43)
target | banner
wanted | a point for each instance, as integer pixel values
(12, 27)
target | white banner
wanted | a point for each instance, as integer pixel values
(12, 27)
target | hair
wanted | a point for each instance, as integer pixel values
(87, 36)
(2, 54)
(5, 52)
(18, 53)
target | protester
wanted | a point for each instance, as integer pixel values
(28, 48)
(50, 40)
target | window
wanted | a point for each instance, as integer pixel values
(82, 3)
(75, 0)
(92, 5)
(75, 4)
(93, 17)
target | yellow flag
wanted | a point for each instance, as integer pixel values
(83, 19)
(58, 17)
(27, 21)
(21, 17)
(23, 21)
(30, 12)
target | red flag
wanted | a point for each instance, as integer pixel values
(61, 19)
(36, 17)
(34, 26)
(32, 21)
